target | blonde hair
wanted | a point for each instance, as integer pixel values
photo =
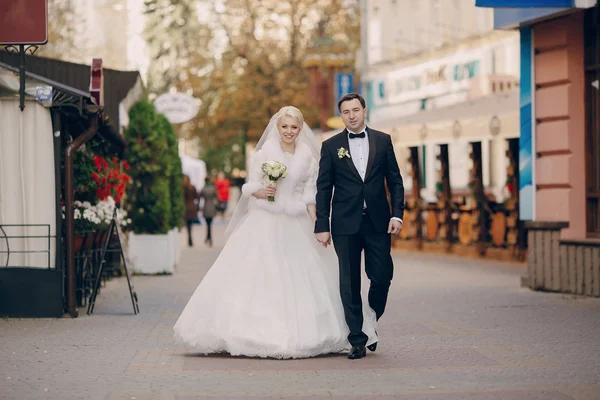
(290, 111)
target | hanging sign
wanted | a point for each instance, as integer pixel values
(177, 107)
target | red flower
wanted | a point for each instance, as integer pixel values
(97, 162)
(110, 179)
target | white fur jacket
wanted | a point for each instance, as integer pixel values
(296, 190)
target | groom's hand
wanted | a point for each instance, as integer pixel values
(324, 238)
(394, 227)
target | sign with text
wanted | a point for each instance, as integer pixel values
(344, 84)
(23, 22)
(177, 107)
(433, 78)
(43, 93)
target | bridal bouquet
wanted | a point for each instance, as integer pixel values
(273, 170)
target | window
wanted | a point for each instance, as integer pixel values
(382, 90)
(592, 111)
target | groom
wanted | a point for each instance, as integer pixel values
(358, 163)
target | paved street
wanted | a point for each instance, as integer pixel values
(454, 329)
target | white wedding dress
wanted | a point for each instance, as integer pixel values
(273, 291)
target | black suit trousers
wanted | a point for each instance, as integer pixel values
(378, 267)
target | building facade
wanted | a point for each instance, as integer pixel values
(444, 85)
(112, 30)
(411, 99)
(560, 138)
(397, 29)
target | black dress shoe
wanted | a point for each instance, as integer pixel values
(357, 352)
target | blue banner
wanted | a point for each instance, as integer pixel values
(344, 84)
(527, 136)
(525, 3)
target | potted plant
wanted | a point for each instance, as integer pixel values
(149, 205)
(99, 186)
(93, 218)
(175, 186)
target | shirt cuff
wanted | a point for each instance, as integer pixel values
(398, 219)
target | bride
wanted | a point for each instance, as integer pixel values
(273, 291)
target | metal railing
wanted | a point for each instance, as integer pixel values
(5, 237)
(89, 257)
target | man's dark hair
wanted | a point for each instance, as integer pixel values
(352, 96)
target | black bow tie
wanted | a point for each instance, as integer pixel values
(357, 135)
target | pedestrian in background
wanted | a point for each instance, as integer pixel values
(190, 195)
(209, 209)
(222, 184)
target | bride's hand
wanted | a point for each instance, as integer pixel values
(266, 192)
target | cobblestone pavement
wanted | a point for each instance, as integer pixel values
(454, 329)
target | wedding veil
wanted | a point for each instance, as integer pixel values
(306, 136)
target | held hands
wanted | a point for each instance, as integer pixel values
(394, 227)
(324, 238)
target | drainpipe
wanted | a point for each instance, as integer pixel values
(69, 219)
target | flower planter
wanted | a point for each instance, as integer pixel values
(151, 254)
(175, 245)
(82, 242)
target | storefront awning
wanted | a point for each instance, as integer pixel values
(475, 119)
(121, 88)
(57, 95)
(513, 14)
(503, 103)
(61, 95)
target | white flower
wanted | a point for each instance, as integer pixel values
(88, 214)
(342, 152)
(274, 170)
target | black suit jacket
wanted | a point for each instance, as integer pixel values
(350, 191)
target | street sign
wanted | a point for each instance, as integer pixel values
(23, 22)
(177, 107)
(43, 93)
(344, 84)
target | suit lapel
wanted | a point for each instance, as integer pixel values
(372, 152)
(345, 144)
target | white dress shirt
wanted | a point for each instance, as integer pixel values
(359, 154)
